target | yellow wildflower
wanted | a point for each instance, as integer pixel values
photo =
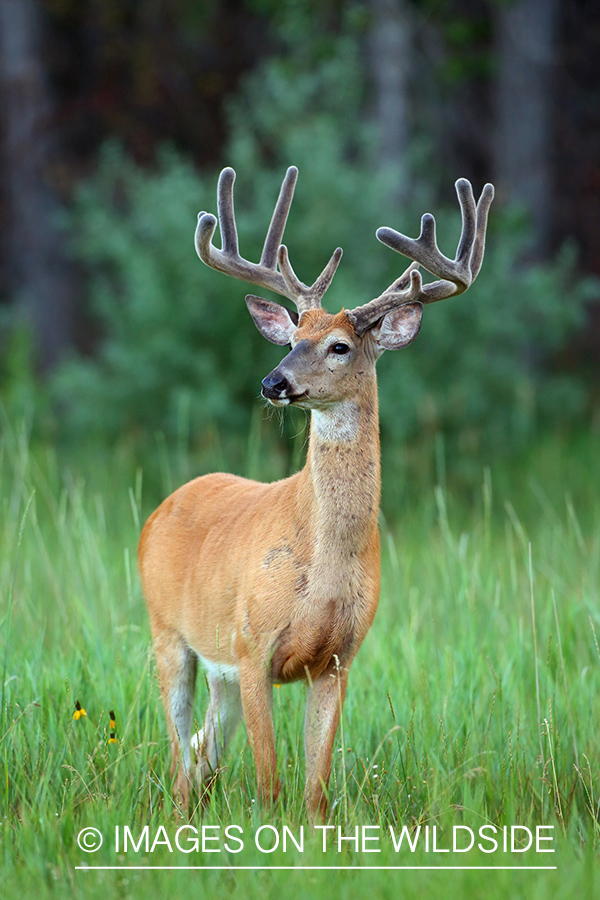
(113, 726)
(79, 711)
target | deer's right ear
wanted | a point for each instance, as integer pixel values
(276, 323)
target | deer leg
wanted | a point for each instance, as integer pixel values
(222, 718)
(177, 665)
(257, 703)
(323, 710)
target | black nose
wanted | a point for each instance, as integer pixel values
(274, 385)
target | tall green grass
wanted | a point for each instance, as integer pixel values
(473, 700)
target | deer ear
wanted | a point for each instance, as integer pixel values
(399, 327)
(276, 323)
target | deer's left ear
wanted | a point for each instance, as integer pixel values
(399, 327)
(276, 323)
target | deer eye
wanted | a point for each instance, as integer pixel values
(339, 349)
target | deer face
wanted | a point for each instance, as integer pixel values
(328, 363)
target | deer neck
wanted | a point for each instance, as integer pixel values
(342, 473)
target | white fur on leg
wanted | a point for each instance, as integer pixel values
(222, 718)
(180, 699)
(197, 741)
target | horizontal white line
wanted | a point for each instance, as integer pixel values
(328, 868)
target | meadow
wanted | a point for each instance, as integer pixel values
(472, 702)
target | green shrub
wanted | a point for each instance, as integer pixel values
(179, 350)
(178, 343)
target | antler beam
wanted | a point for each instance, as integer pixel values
(455, 276)
(265, 273)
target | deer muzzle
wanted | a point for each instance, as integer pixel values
(282, 383)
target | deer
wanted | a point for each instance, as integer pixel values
(270, 583)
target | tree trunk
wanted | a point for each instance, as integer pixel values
(389, 52)
(39, 278)
(525, 43)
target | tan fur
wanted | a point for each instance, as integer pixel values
(279, 580)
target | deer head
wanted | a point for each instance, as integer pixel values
(332, 353)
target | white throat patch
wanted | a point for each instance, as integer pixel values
(339, 423)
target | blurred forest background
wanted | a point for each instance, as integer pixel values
(117, 116)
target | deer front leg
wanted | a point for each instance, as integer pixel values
(257, 704)
(323, 710)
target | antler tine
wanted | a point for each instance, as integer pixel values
(308, 297)
(295, 286)
(227, 225)
(454, 276)
(467, 236)
(279, 219)
(326, 277)
(483, 207)
(403, 281)
(264, 273)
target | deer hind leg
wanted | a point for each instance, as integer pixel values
(177, 666)
(223, 716)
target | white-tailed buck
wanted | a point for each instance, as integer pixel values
(273, 583)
